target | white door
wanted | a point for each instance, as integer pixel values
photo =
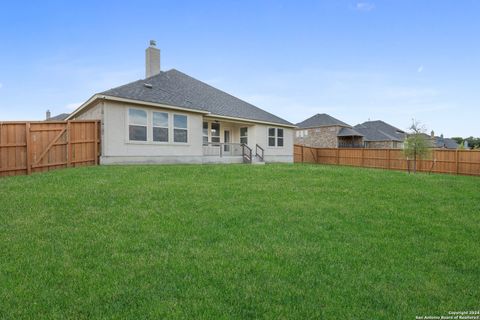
(227, 139)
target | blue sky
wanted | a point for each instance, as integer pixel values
(355, 60)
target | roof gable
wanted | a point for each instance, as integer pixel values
(321, 120)
(178, 89)
(380, 131)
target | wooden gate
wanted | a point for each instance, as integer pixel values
(27, 147)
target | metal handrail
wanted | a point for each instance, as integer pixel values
(247, 156)
(256, 151)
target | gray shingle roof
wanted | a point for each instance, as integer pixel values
(321, 120)
(59, 117)
(349, 132)
(380, 131)
(441, 142)
(178, 89)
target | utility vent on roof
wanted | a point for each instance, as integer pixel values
(148, 85)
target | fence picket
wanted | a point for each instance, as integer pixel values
(464, 162)
(29, 147)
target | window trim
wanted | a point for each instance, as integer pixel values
(168, 128)
(245, 136)
(130, 123)
(149, 141)
(203, 133)
(212, 136)
(178, 128)
(276, 137)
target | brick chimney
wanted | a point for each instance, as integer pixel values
(48, 115)
(152, 60)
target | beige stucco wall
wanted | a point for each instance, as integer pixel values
(93, 113)
(116, 147)
(273, 154)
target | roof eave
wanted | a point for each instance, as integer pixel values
(132, 101)
(158, 105)
(323, 126)
(212, 115)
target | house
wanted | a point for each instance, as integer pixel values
(439, 142)
(446, 143)
(325, 131)
(381, 135)
(170, 117)
(58, 117)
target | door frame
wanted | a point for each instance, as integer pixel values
(227, 149)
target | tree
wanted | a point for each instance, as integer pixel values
(459, 140)
(418, 145)
(473, 142)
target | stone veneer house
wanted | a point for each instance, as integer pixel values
(381, 135)
(440, 142)
(325, 131)
(170, 117)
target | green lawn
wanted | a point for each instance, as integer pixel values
(238, 241)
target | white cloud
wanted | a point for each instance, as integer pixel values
(420, 69)
(365, 6)
(73, 106)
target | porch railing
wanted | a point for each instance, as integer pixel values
(259, 152)
(350, 145)
(222, 149)
(246, 153)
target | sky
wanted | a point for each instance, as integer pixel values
(390, 60)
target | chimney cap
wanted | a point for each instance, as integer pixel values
(153, 43)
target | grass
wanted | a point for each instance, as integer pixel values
(238, 242)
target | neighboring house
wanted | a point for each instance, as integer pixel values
(447, 143)
(440, 142)
(170, 117)
(381, 135)
(325, 131)
(59, 117)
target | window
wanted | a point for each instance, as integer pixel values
(271, 137)
(244, 135)
(160, 126)
(275, 137)
(305, 132)
(137, 125)
(180, 130)
(205, 133)
(279, 137)
(215, 132)
(297, 134)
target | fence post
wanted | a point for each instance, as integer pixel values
(95, 145)
(69, 145)
(363, 157)
(338, 156)
(389, 157)
(456, 161)
(28, 145)
(302, 154)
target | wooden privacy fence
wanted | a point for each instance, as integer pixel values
(27, 147)
(464, 162)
